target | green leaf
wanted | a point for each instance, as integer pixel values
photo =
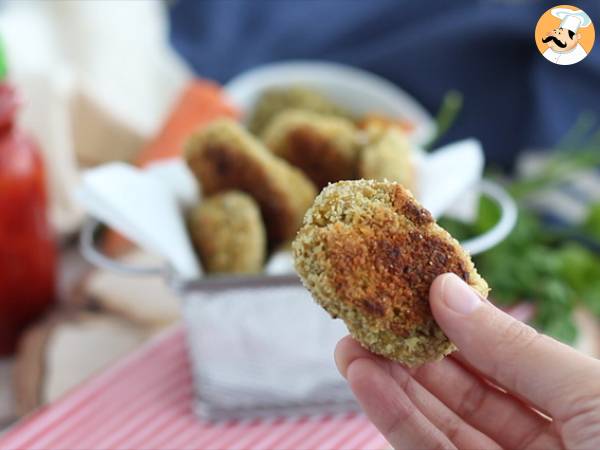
(451, 105)
(3, 64)
(489, 214)
(554, 310)
(592, 222)
(590, 297)
(460, 230)
(562, 328)
(574, 138)
(579, 266)
(538, 263)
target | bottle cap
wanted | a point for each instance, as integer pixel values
(3, 65)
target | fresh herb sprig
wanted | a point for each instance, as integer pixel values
(447, 114)
(539, 263)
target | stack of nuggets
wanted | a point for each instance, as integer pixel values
(306, 143)
(223, 156)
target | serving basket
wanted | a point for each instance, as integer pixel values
(259, 345)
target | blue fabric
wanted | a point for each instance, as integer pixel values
(514, 98)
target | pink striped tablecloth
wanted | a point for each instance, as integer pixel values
(145, 401)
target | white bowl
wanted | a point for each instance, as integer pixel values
(356, 90)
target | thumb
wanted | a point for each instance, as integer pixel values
(550, 375)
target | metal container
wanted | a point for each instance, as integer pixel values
(258, 345)
(240, 371)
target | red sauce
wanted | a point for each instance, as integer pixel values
(27, 246)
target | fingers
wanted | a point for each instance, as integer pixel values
(347, 350)
(485, 408)
(478, 404)
(462, 435)
(390, 409)
(511, 353)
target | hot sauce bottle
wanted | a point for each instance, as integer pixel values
(27, 245)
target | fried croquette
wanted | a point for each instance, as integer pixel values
(387, 156)
(229, 234)
(274, 101)
(224, 156)
(368, 253)
(324, 147)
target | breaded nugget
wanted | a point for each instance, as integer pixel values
(324, 147)
(224, 156)
(368, 252)
(387, 156)
(274, 101)
(228, 233)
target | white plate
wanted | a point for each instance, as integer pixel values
(354, 89)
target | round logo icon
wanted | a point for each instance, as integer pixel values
(565, 35)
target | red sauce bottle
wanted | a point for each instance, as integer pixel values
(27, 245)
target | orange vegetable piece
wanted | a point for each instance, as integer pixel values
(383, 121)
(201, 102)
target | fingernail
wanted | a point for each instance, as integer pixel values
(458, 295)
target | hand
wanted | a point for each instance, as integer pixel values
(507, 387)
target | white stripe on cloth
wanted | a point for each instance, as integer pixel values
(21, 435)
(110, 411)
(146, 401)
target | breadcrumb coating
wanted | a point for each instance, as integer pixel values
(223, 156)
(368, 253)
(229, 234)
(324, 147)
(274, 101)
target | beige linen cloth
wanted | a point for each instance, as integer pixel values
(97, 80)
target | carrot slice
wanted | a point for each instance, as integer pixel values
(383, 121)
(201, 102)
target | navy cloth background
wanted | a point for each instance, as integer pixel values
(513, 97)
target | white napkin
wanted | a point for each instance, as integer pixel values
(447, 178)
(145, 206)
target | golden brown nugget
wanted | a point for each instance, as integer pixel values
(224, 156)
(368, 253)
(274, 101)
(387, 156)
(228, 233)
(324, 147)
